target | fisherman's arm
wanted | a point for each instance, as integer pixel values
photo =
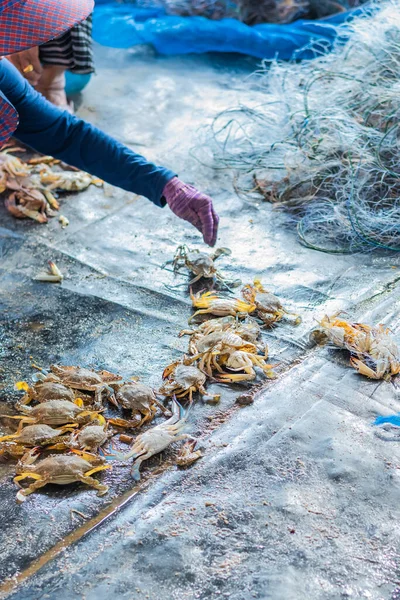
(52, 131)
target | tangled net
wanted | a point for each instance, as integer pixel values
(253, 12)
(323, 141)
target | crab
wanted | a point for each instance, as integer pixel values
(382, 361)
(30, 436)
(140, 399)
(269, 307)
(68, 181)
(248, 329)
(59, 469)
(12, 165)
(79, 378)
(156, 440)
(25, 201)
(354, 337)
(244, 361)
(187, 455)
(374, 352)
(199, 263)
(183, 380)
(211, 303)
(212, 332)
(56, 412)
(216, 347)
(88, 439)
(43, 391)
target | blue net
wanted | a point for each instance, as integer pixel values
(124, 26)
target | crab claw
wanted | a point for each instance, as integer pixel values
(20, 496)
(135, 472)
(363, 369)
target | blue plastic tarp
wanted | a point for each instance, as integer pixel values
(124, 26)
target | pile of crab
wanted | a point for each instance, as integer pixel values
(30, 186)
(228, 347)
(374, 352)
(63, 428)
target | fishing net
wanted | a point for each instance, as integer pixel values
(323, 139)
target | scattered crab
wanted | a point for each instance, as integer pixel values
(183, 380)
(43, 391)
(79, 378)
(61, 470)
(187, 455)
(52, 275)
(12, 165)
(68, 181)
(200, 263)
(374, 351)
(211, 303)
(140, 400)
(88, 439)
(27, 202)
(354, 337)
(56, 412)
(156, 440)
(269, 307)
(245, 361)
(30, 436)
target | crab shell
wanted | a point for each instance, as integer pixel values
(54, 412)
(135, 396)
(187, 376)
(201, 264)
(43, 391)
(61, 470)
(83, 379)
(38, 434)
(90, 437)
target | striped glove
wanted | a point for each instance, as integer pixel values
(193, 206)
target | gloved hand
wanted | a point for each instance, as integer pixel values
(193, 206)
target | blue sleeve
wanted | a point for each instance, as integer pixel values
(52, 131)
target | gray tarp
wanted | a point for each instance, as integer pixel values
(296, 496)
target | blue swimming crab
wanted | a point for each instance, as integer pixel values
(59, 469)
(155, 440)
(140, 400)
(200, 264)
(56, 412)
(32, 436)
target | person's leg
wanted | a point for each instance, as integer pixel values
(52, 85)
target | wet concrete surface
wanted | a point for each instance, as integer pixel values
(296, 496)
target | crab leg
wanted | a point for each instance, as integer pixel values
(92, 482)
(25, 476)
(202, 311)
(8, 437)
(97, 469)
(125, 423)
(21, 494)
(235, 377)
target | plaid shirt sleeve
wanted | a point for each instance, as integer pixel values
(8, 119)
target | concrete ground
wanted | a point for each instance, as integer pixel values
(297, 495)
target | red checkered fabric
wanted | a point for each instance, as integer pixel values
(28, 23)
(8, 119)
